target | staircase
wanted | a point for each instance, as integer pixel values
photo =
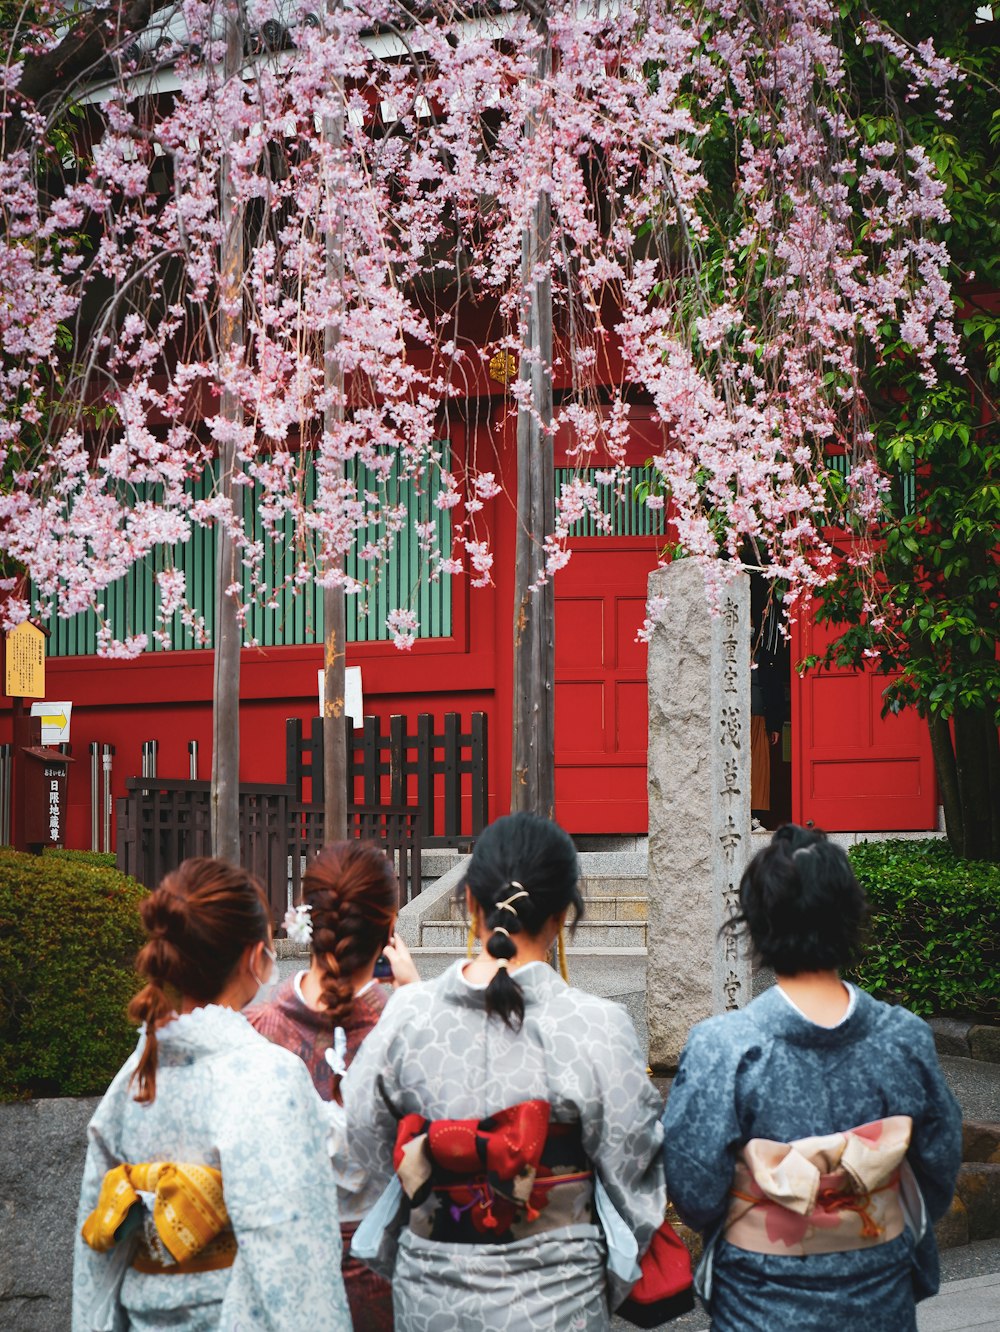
(607, 952)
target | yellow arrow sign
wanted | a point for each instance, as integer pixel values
(54, 719)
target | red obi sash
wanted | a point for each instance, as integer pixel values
(490, 1180)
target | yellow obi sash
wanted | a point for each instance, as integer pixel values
(188, 1229)
(826, 1194)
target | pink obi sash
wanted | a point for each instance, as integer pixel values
(820, 1195)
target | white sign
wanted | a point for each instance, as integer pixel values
(353, 701)
(55, 721)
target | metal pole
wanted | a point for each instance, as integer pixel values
(106, 757)
(193, 760)
(5, 767)
(154, 750)
(95, 796)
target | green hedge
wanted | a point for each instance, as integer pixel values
(934, 938)
(106, 859)
(69, 932)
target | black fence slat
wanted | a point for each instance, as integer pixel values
(452, 778)
(479, 768)
(397, 760)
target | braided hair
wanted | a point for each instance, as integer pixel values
(352, 890)
(524, 870)
(199, 921)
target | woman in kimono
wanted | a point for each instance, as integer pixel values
(811, 1136)
(207, 1199)
(510, 1106)
(350, 899)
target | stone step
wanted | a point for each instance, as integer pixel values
(597, 908)
(453, 935)
(607, 971)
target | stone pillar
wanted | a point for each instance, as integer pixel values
(699, 804)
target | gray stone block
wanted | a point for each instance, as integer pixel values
(699, 803)
(984, 1043)
(42, 1148)
(980, 1141)
(979, 1189)
(950, 1036)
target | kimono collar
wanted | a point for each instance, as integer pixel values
(204, 1031)
(538, 982)
(778, 1018)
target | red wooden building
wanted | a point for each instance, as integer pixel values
(849, 768)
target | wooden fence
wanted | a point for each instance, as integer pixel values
(442, 771)
(162, 822)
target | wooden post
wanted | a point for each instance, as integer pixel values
(334, 598)
(225, 791)
(533, 767)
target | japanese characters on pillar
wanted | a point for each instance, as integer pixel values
(731, 792)
(54, 780)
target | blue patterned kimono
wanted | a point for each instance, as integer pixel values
(228, 1098)
(435, 1052)
(768, 1072)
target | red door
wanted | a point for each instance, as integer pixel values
(601, 712)
(854, 770)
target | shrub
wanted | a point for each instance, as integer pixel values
(934, 939)
(69, 932)
(107, 859)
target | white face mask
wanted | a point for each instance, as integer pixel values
(272, 972)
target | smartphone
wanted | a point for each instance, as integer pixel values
(383, 968)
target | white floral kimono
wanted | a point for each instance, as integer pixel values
(227, 1098)
(435, 1053)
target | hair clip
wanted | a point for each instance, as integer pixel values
(298, 923)
(506, 905)
(336, 1055)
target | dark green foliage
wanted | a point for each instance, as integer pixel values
(105, 859)
(933, 619)
(69, 932)
(934, 942)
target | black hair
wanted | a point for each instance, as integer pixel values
(802, 905)
(530, 864)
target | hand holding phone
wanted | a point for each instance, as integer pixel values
(402, 967)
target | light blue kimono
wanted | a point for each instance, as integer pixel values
(768, 1072)
(228, 1098)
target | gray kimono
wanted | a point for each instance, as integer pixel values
(768, 1072)
(435, 1052)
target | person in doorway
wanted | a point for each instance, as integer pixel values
(511, 1107)
(768, 689)
(350, 899)
(811, 1136)
(207, 1199)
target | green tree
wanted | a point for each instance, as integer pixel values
(932, 614)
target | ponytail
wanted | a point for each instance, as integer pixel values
(199, 921)
(504, 996)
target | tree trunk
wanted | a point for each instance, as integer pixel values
(533, 767)
(968, 774)
(976, 764)
(225, 793)
(947, 779)
(334, 598)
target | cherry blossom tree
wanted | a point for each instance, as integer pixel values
(652, 202)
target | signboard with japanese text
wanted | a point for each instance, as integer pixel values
(24, 667)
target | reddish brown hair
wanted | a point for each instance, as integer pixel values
(352, 889)
(199, 921)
